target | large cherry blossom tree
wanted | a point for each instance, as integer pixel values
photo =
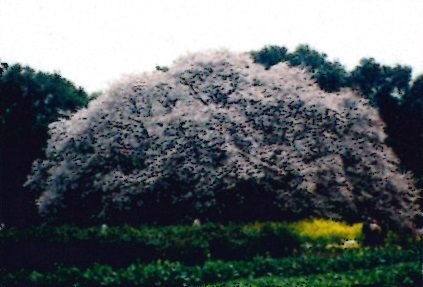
(221, 138)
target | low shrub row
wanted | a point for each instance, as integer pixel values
(406, 274)
(39, 248)
(165, 273)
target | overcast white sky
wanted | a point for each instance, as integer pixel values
(94, 42)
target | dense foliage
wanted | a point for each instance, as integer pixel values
(217, 136)
(31, 100)
(384, 266)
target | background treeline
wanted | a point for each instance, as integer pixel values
(31, 100)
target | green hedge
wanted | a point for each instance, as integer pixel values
(165, 273)
(39, 248)
(402, 274)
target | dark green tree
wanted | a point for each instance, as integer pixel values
(330, 76)
(377, 82)
(270, 55)
(367, 76)
(408, 135)
(306, 57)
(3, 67)
(400, 105)
(31, 100)
(388, 88)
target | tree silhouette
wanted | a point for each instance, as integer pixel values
(30, 102)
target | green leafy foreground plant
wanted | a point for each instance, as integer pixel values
(401, 274)
(165, 273)
(40, 248)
